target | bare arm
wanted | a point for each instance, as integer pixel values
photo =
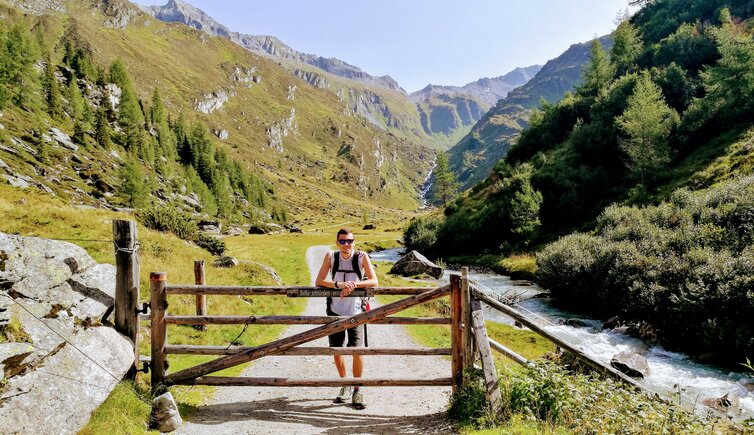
(323, 272)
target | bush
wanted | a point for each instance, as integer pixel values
(212, 244)
(170, 219)
(684, 266)
(421, 234)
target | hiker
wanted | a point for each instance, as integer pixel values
(347, 270)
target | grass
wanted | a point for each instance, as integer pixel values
(516, 266)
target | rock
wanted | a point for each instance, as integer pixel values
(4, 165)
(165, 416)
(225, 262)
(71, 386)
(63, 139)
(212, 227)
(727, 404)
(234, 231)
(295, 229)
(415, 263)
(369, 227)
(258, 229)
(631, 364)
(645, 331)
(97, 286)
(620, 330)
(577, 323)
(221, 134)
(612, 323)
(11, 358)
(212, 101)
(16, 181)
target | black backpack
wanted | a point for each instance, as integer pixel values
(336, 268)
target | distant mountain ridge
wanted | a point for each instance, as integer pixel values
(177, 11)
(473, 157)
(450, 110)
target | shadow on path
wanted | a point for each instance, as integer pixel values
(329, 418)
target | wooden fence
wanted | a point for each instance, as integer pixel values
(468, 333)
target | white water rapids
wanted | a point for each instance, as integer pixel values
(675, 376)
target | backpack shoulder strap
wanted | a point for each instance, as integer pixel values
(355, 264)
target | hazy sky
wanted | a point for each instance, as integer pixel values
(418, 42)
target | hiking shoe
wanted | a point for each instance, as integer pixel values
(343, 395)
(358, 400)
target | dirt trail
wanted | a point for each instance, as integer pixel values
(300, 410)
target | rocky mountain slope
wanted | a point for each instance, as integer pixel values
(489, 140)
(437, 115)
(295, 137)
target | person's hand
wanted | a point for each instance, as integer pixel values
(348, 288)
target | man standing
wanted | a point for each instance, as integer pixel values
(348, 270)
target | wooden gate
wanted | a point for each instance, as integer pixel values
(231, 356)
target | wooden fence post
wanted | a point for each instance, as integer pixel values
(158, 304)
(468, 355)
(456, 333)
(127, 285)
(491, 385)
(201, 300)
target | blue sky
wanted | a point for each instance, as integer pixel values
(418, 42)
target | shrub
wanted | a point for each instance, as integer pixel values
(168, 218)
(421, 234)
(212, 244)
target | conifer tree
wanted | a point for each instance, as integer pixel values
(597, 73)
(102, 128)
(647, 123)
(626, 49)
(445, 187)
(133, 188)
(130, 116)
(18, 78)
(51, 90)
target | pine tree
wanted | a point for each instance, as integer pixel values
(51, 90)
(130, 116)
(102, 128)
(626, 49)
(445, 186)
(18, 78)
(133, 188)
(647, 123)
(160, 124)
(597, 73)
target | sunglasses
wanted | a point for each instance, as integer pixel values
(344, 241)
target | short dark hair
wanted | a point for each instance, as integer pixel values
(345, 231)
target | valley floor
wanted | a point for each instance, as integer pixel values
(298, 410)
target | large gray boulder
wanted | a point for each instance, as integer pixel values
(58, 295)
(631, 364)
(71, 384)
(414, 263)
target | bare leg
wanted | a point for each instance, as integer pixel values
(340, 364)
(358, 368)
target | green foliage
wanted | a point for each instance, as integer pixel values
(19, 80)
(421, 234)
(597, 73)
(102, 132)
(445, 187)
(685, 266)
(627, 47)
(469, 404)
(212, 244)
(133, 188)
(647, 122)
(169, 219)
(51, 90)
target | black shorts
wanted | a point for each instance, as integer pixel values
(355, 335)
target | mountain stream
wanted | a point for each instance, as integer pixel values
(675, 376)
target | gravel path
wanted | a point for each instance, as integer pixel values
(301, 410)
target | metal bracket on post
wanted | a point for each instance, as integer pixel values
(144, 308)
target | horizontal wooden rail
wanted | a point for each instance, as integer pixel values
(283, 344)
(306, 351)
(332, 382)
(285, 291)
(509, 353)
(296, 320)
(491, 300)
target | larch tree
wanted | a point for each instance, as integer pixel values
(646, 123)
(446, 186)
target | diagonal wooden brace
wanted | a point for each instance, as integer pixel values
(491, 385)
(284, 344)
